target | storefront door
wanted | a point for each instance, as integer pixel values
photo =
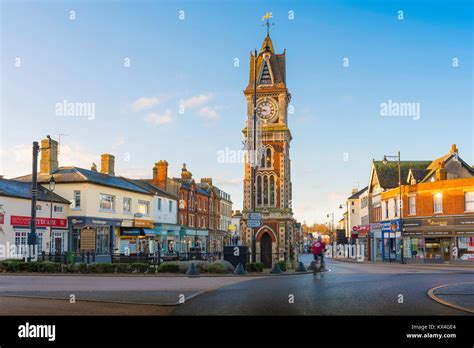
(445, 248)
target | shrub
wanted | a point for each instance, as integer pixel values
(82, 268)
(123, 268)
(217, 268)
(169, 267)
(227, 265)
(138, 267)
(49, 267)
(282, 265)
(254, 267)
(11, 265)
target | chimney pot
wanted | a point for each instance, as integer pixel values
(454, 149)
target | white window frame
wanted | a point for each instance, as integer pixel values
(146, 204)
(129, 200)
(440, 210)
(106, 197)
(469, 200)
(77, 198)
(412, 204)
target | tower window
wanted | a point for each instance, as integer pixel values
(265, 77)
(268, 158)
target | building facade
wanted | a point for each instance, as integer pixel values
(15, 217)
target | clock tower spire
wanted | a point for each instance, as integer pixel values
(272, 183)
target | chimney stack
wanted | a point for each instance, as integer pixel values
(107, 165)
(453, 149)
(160, 174)
(441, 173)
(49, 156)
(354, 191)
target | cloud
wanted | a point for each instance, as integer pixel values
(209, 112)
(144, 103)
(159, 119)
(197, 100)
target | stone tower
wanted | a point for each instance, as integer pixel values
(273, 175)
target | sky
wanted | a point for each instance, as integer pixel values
(135, 63)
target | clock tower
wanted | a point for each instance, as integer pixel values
(272, 184)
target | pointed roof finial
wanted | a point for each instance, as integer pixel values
(267, 17)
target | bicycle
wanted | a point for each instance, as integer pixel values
(317, 265)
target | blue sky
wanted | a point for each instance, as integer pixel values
(191, 62)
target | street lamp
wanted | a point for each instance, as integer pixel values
(385, 161)
(52, 186)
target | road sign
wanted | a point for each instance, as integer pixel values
(255, 216)
(254, 223)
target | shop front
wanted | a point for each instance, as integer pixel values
(216, 242)
(375, 237)
(93, 235)
(361, 234)
(193, 240)
(168, 238)
(439, 239)
(137, 239)
(391, 238)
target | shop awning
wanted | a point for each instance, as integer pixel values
(149, 232)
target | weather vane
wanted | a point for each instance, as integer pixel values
(267, 17)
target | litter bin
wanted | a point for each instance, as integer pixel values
(236, 254)
(69, 257)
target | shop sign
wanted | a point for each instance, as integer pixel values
(412, 234)
(2, 218)
(464, 221)
(40, 222)
(464, 233)
(143, 223)
(375, 227)
(77, 222)
(411, 223)
(98, 222)
(391, 226)
(438, 222)
(127, 223)
(438, 233)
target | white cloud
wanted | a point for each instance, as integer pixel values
(197, 100)
(147, 102)
(209, 112)
(159, 119)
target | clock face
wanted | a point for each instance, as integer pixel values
(266, 110)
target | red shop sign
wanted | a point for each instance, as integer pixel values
(2, 218)
(40, 222)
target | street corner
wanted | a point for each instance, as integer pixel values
(457, 295)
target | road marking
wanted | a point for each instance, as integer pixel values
(449, 304)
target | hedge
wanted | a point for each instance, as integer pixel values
(16, 266)
(254, 267)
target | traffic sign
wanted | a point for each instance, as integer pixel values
(254, 223)
(255, 216)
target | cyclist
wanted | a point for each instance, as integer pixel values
(318, 252)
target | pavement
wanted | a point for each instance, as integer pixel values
(347, 289)
(459, 296)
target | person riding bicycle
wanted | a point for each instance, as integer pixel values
(318, 250)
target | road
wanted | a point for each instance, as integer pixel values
(348, 289)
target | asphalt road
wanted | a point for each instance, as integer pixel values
(349, 289)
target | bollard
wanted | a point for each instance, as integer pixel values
(192, 270)
(240, 269)
(276, 269)
(301, 267)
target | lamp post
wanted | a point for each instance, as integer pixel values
(254, 155)
(52, 186)
(385, 161)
